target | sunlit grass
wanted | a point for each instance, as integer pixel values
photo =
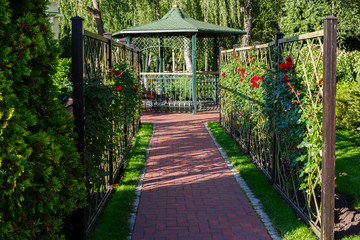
(115, 221)
(283, 218)
(348, 164)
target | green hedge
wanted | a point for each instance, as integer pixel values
(40, 171)
(348, 90)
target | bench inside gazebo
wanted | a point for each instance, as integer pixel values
(175, 72)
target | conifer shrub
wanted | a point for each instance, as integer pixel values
(40, 172)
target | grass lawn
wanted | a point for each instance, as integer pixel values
(115, 222)
(348, 164)
(283, 218)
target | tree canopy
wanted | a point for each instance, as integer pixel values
(292, 17)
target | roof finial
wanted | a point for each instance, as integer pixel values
(176, 6)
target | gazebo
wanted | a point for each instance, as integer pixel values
(189, 83)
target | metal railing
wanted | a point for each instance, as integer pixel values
(271, 149)
(93, 57)
(172, 92)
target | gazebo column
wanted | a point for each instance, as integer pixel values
(161, 64)
(215, 68)
(236, 39)
(128, 41)
(194, 95)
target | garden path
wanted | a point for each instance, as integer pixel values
(188, 191)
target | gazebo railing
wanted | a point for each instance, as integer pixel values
(173, 92)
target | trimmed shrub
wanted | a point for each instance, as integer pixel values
(40, 171)
(348, 90)
(348, 105)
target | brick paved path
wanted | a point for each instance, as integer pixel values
(188, 191)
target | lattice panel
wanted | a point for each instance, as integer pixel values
(175, 42)
(95, 57)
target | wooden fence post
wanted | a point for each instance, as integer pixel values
(329, 121)
(278, 35)
(108, 35)
(132, 56)
(235, 46)
(79, 110)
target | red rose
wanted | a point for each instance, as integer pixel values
(241, 79)
(286, 78)
(254, 84)
(235, 69)
(242, 70)
(261, 78)
(136, 89)
(116, 73)
(118, 89)
(289, 65)
(288, 59)
(282, 66)
(223, 74)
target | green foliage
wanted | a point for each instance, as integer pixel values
(302, 16)
(348, 105)
(348, 89)
(62, 77)
(40, 171)
(281, 101)
(347, 66)
(110, 105)
(266, 19)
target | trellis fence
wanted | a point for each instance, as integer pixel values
(93, 57)
(269, 133)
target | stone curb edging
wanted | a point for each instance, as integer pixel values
(139, 187)
(253, 200)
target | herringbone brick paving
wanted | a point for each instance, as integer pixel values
(188, 191)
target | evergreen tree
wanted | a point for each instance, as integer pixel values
(40, 171)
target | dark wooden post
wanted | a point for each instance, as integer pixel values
(278, 36)
(235, 46)
(219, 83)
(131, 56)
(108, 35)
(329, 121)
(79, 110)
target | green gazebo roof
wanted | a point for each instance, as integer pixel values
(176, 22)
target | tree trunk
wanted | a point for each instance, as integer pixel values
(173, 61)
(247, 23)
(97, 15)
(187, 56)
(149, 63)
(157, 10)
(177, 62)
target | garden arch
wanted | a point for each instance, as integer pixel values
(194, 87)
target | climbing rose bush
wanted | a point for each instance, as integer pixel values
(278, 100)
